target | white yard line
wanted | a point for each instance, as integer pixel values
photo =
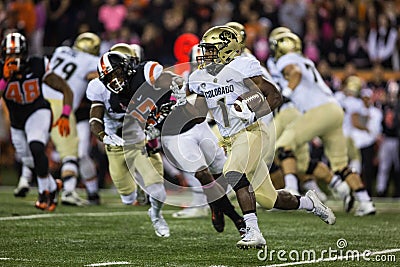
(109, 263)
(344, 258)
(79, 214)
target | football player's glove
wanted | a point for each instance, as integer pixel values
(166, 108)
(63, 125)
(153, 146)
(113, 140)
(178, 87)
(151, 131)
(241, 110)
(11, 66)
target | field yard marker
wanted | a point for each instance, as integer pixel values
(329, 259)
(80, 214)
(109, 263)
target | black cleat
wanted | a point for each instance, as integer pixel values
(21, 191)
(93, 199)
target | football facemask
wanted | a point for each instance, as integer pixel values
(115, 81)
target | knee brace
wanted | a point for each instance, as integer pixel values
(157, 191)
(287, 161)
(237, 180)
(69, 167)
(311, 166)
(344, 173)
(87, 168)
(285, 153)
(274, 168)
(40, 159)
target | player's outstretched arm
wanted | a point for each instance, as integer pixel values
(59, 84)
(292, 73)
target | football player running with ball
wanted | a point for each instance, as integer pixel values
(223, 79)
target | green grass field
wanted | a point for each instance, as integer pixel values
(117, 235)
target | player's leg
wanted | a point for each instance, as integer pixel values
(87, 168)
(335, 149)
(37, 136)
(244, 155)
(287, 115)
(385, 163)
(215, 159)
(354, 155)
(121, 175)
(24, 182)
(314, 122)
(307, 177)
(151, 169)
(67, 147)
(187, 152)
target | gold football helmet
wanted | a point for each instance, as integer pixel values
(88, 42)
(240, 29)
(287, 42)
(220, 44)
(139, 51)
(272, 38)
(352, 85)
(127, 50)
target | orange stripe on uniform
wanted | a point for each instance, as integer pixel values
(151, 73)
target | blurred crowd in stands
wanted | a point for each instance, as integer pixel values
(351, 36)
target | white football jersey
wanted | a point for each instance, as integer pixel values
(350, 105)
(372, 116)
(275, 73)
(96, 91)
(265, 73)
(221, 91)
(312, 91)
(73, 66)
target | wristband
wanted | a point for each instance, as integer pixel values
(66, 110)
(3, 85)
(287, 92)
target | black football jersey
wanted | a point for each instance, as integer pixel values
(23, 96)
(139, 98)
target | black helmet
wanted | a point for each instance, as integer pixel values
(14, 53)
(114, 70)
(14, 44)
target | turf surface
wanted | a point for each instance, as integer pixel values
(117, 235)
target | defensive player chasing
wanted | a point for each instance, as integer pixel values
(30, 114)
(119, 79)
(222, 78)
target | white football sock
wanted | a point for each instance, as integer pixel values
(291, 182)
(251, 221)
(306, 203)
